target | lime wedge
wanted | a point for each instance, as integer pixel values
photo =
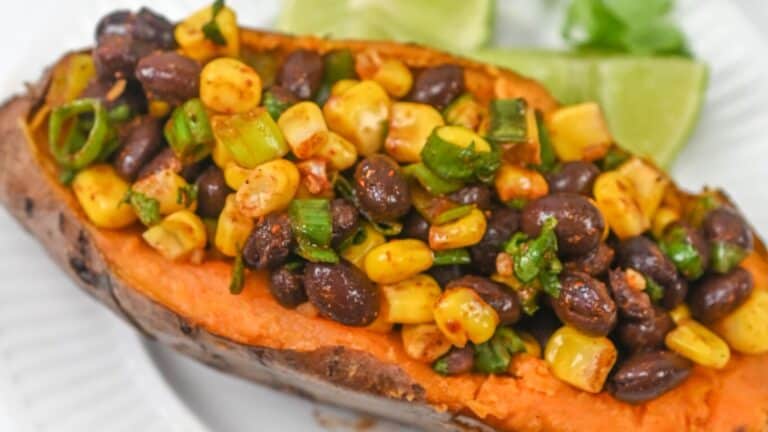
(453, 25)
(651, 103)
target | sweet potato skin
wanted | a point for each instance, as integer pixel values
(334, 374)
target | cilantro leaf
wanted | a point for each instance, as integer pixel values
(146, 208)
(186, 195)
(211, 29)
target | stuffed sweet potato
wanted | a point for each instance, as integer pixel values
(387, 228)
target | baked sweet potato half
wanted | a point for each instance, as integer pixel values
(387, 228)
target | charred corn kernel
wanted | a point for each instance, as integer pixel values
(360, 115)
(229, 86)
(410, 301)
(232, 229)
(515, 182)
(221, 155)
(235, 175)
(392, 74)
(164, 186)
(680, 313)
(698, 344)
(466, 111)
(380, 324)
(178, 236)
(270, 187)
(464, 231)
(397, 260)
(337, 151)
(158, 108)
(355, 253)
(579, 132)
(100, 192)
(304, 128)
(662, 219)
(410, 124)
(532, 346)
(193, 42)
(424, 342)
(343, 85)
(615, 197)
(579, 359)
(462, 315)
(746, 328)
(650, 184)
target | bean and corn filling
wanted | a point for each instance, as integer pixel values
(390, 198)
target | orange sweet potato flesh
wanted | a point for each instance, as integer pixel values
(189, 307)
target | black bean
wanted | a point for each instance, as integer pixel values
(724, 225)
(447, 273)
(169, 76)
(415, 226)
(632, 303)
(594, 263)
(381, 189)
(154, 30)
(114, 57)
(143, 140)
(504, 302)
(301, 73)
(649, 332)
(287, 287)
(438, 86)
(501, 225)
(270, 242)
(647, 375)
(479, 195)
(167, 159)
(132, 96)
(459, 360)
(346, 220)
(118, 22)
(585, 303)
(579, 227)
(643, 255)
(716, 295)
(574, 177)
(212, 191)
(342, 292)
(541, 325)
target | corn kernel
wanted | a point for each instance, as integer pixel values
(424, 342)
(235, 175)
(410, 301)
(360, 115)
(698, 344)
(650, 184)
(466, 111)
(164, 186)
(680, 313)
(356, 253)
(193, 42)
(579, 132)
(392, 74)
(229, 86)
(746, 328)
(158, 108)
(337, 151)
(232, 229)
(410, 124)
(663, 218)
(532, 346)
(380, 324)
(178, 236)
(304, 128)
(515, 182)
(343, 85)
(579, 359)
(100, 192)
(221, 154)
(465, 231)
(462, 315)
(397, 260)
(615, 197)
(270, 187)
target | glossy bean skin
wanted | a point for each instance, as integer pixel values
(381, 189)
(505, 303)
(166, 159)
(415, 226)
(115, 22)
(287, 287)
(342, 292)
(585, 304)
(648, 375)
(632, 303)
(579, 227)
(459, 360)
(345, 218)
(270, 242)
(169, 76)
(595, 262)
(212, 191)
(479, 195)
(645, 333)
(438, 86)
(142, 141)
(301, 73)
(727, 226)
(447, 273)
(501, 225)
(114, 57)
(643, 255)
(573, 177)
(716, 295)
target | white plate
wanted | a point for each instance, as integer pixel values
(66, 364)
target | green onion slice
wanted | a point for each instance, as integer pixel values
(494, 356)
(189, 133)
(726, 256)
(237, 282)
(457, 153)
(508, 123)
(680, 250)
(73, 142)
(433, 183)
(451, 256)
(313, 227)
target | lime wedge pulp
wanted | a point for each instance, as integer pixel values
(452, 25)
(651, 103)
